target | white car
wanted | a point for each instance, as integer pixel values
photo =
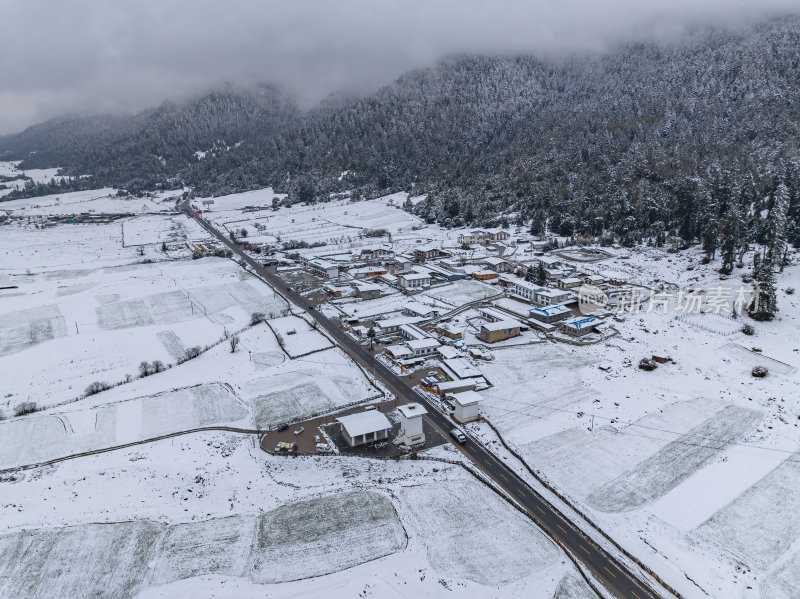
(458, 435)
(299, 430)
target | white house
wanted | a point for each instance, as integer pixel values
(525, 290)
(419, 309)
(470, 238)
(423, 347)
(496, 264)
(322, 267)
(545, 297)
(403, 264)
(410, 332)
(380, 252)
(392, 325)
(364, 427)
(414, 280)
(411, 432)
(466, 406)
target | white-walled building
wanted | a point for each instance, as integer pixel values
(414, 280)
(364, 427)
(423, 347)
(411, 432)
(466, 406)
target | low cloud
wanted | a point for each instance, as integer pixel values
(90, 56)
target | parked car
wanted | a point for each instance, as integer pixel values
(433, 373)
(299, 430)
(282, 427)
(458, 435)
(323, 448)
(317, 439)
(370, 408)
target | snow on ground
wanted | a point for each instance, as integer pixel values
(158, 229)
(255, 387)
(212, 515)
(94, 201)
(18, 177)
(298, 337)
(63, 330)
(339, 224)
(462, 292)
(692, 467)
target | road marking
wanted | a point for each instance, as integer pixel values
(562, 530)
(540, 509)
(609, 571)
(522, 493)
(584, 548)
(504, 476)
(635, 595)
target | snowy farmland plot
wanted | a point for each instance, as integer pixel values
(468, 532)
(95, 201)
(298, 389)
(338, 224)
(298, 337)
(79, 327)
(46, 436)
(174, 519)
(304, 539)
(158, 229)
(462, 292)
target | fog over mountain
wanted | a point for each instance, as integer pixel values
(88, 57)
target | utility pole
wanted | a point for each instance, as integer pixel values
(76, 328)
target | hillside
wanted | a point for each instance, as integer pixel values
(145, 150)
(645, 142)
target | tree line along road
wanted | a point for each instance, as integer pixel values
(605, 568)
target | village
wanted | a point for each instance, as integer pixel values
(434, 313)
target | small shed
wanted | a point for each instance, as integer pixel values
(466, 406)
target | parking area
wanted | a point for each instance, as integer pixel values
(306, 439)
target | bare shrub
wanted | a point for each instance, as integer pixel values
(26, 407)
(97, 387)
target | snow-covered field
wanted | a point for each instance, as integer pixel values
(339, 224)
(62, 330)
(214, 516)
(691, 467)
(18, 178)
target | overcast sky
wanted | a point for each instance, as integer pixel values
(86, 56)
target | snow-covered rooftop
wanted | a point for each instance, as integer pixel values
(412, 410)
(467, 398)
(363, 423)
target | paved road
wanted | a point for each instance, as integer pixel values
(613, 575)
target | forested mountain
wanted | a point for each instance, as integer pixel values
(645, 141)
(697, 139)
(150, 148)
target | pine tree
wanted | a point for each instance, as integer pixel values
(776, 227)
(731, 241)
(765, 299)
(540, 276)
